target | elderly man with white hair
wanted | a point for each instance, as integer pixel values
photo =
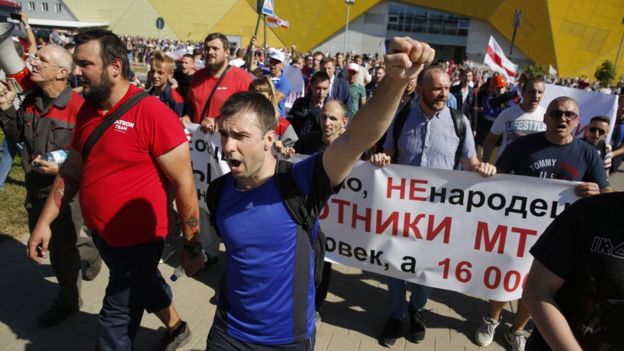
(44, 123)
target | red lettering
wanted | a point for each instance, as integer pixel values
(341, 204)
(366, 218)
(393, 220)
(414, 189)
(523, 237)
(483, 235)
(400, 187)
(445, 225)
(408, 224)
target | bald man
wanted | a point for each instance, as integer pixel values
(44, 123)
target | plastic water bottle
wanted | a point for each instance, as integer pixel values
(178, 272)
(58, 156)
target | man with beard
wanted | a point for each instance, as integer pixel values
(184, 75)
(44, 123)
(518, 120)
(428, 138)
(214, 84)
(123, 193)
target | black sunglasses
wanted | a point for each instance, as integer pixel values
(569, 115)
(595, 129)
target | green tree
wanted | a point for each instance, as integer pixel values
(605, 73)
(533, 71)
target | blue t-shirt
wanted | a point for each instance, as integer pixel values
(283, 85)
(268, 292)
(533, 156)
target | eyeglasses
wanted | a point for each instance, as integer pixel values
(593, 130)
(569, 115)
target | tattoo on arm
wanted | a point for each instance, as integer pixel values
(192, 222)
(64, 191)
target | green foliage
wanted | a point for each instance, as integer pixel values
(533, 71)
(605, 73)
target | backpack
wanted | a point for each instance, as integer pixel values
(295, 203)
(399, 121)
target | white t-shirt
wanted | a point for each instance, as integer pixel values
(513, 123)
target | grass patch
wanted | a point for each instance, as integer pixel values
(13, 217)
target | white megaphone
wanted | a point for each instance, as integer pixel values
(11, 63)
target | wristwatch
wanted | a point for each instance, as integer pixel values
(193, 248)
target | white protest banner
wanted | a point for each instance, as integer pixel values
(446, 229)
(590, 104)
(206, 158)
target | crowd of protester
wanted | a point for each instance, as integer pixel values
(331, 99)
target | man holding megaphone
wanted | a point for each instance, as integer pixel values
(44, 123)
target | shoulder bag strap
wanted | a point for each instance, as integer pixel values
(108, 121)
(205, 109)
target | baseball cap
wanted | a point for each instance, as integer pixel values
(277, 55)
(354, 67)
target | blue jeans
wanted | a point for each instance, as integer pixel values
(9, 149)
(396, 297)
(134, 285)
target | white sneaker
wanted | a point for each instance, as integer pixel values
(517, 339)
(485, 333)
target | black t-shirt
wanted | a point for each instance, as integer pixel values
(310, 143)
(534, 156)
(585, 247)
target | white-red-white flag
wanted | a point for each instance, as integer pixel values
(497, 61)
(274, 22)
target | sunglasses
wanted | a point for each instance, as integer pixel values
(569, 115)
(595, 129)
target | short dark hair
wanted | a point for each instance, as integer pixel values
(600, 118)
(111, 47)
(328, 59)
(534, 79)
(220, 36)
(189, 56)
(251, 102)
(318, 77)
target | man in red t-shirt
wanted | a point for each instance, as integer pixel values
(122, 185)
(216, 52)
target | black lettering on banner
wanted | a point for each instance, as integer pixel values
(200, 145)
(409, 264)
(538, 207)
(330, 244)
(360, 254)
(471, 200)
(203, 177)
(456, 197)
(375, 258)
(344, 249)
(434, 194)
(354, 184)
(522, 210)
(501, 201)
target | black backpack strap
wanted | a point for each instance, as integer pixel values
(399, 122)
(460, 129)
(292, 198)
(212, 198)
(108, 121)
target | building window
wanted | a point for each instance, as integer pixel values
(31, 6)
(44, 7)
(58, 7)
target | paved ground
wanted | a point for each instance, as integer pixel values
(354, 314)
